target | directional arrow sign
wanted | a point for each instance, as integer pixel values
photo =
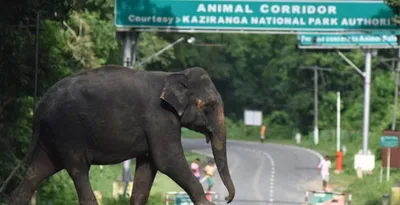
(389, 141)
(377, 40)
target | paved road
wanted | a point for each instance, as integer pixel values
(267, 174)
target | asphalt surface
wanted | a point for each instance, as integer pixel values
(264, 174)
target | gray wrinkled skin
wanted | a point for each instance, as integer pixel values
(111, 114)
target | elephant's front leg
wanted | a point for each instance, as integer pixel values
(144, 176)
(169, 158)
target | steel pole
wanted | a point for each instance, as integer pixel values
(316, 137)
(135, 46)
(126, 61)
(367, 84)
(127, 49)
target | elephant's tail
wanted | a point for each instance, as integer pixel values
(28, 155)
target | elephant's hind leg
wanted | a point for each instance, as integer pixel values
(170, 160)
(41, 167)
(144, 177)
(78, 170)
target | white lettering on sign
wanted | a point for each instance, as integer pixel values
(296, 9)
(352, 39)
(215, 19)
(322, 21)
(149, 19)
(224, 8)
(277, 21)
(366, 22)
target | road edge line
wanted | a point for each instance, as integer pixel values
(317, 154)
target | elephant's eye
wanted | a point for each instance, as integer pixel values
(208, 109)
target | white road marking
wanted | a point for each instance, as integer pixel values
(257, 180)
(272, 178)
(258, 173)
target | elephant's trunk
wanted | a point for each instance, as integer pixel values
(218, 143)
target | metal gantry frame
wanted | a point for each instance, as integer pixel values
(368, 53)
(367, 81)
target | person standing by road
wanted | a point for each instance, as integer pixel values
(195, 166)
(262, 133)
(324, 166)
(209, 171)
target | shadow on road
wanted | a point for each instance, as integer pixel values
(307, 168)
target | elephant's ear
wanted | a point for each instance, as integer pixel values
(174, 92)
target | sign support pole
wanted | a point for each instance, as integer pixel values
(127, 63)
(367, 89)
(388, 142)
(127, 49)
(135, 46)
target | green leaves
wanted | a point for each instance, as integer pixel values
(395, 5)
(150, 44)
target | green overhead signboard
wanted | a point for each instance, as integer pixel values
(389, 141)
(378, 40)
(260, 16)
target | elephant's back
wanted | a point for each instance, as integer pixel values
(94, 109)
(96, 89)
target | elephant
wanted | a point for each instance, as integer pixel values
(113, 113)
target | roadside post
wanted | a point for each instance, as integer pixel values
(388, 142)
(316, 68)
(339, 154)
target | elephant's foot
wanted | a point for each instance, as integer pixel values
(205, 203)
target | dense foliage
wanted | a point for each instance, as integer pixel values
(250, 71)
